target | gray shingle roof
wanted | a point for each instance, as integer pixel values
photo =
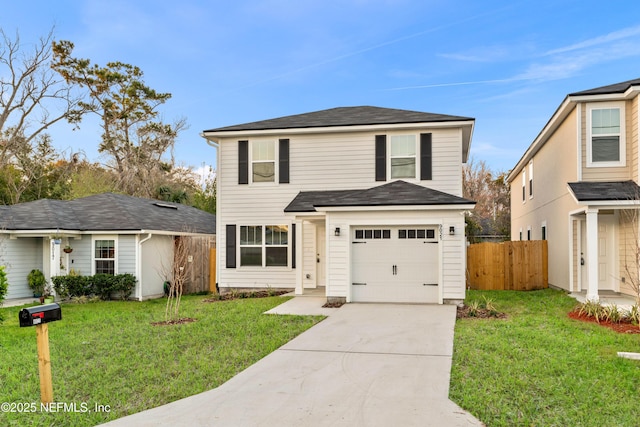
(588, 191)
(106, 211)
(397, 193)
(344, 116)
(614, 88)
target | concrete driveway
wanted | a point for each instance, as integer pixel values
(365, 365)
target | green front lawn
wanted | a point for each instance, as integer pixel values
(540, 368)
(109, 354)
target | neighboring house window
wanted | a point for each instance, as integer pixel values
(531, 179)
(263, 161)
(521, 234)
(606, 135)
(104, 255)
(528, 233)
(544, 231)
(524, 186)
(403, 156)
(264, 246)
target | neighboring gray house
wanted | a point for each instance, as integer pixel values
(364, 203)
(108, 233)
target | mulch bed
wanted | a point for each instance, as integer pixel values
(464, 312)
(174, 322)
(335, 304)
(245, 294)
(624, 327)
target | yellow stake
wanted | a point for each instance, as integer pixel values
(44, 363)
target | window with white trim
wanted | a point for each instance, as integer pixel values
(104, 255)
(263, 161)
(403, 156)
(264, 246)
(529, 233)
(606, 144)
(524, 185)
(531, 179)
(544, 230)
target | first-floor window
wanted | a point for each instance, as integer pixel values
(264, 246)
(105, 256)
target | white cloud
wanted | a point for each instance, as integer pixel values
(596, 41)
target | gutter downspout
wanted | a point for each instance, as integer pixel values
(139, 265)
(216, 145)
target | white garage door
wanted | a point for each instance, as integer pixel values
(395, 264)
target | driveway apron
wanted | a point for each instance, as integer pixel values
(365, 365)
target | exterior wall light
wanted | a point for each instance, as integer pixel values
(337, 231)
(452, 230)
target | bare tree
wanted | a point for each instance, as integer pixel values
(32, 96)
(630, 225)
(177, 274)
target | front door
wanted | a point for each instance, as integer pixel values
(320, 254)
(606, 253)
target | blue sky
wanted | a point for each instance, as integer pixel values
(507, 64)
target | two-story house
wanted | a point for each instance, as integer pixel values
(576, 186)
(363, 201)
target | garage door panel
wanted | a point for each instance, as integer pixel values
(401, 268)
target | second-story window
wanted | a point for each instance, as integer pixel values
(263, 161)
(606, 142)
(403, 156)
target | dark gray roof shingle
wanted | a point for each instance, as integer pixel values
(614, 88)
(344, 116)
(588, 191)
(107, 211)
(397, 193)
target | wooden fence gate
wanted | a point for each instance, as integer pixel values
(517, 265)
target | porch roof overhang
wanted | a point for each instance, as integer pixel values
(606, 194)
(397, 195)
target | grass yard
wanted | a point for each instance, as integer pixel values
(108, 353)
(538, 367)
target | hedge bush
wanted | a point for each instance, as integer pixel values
(103, 285)
(4, 288)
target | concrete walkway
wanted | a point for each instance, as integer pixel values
(365, 365)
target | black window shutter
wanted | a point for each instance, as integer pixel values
(426, 157)
(293, 246)
(283, 166)
(243, 162)
(231, 246)
(381, 157)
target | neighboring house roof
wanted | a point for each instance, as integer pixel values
(614, 88)
(587, 191)
(617, 91)
(397, 193)
(344, 116)
(107, 211)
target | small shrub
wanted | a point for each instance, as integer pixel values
(4, 288)
(72, 285)
(611, 313)
(592, 309)
(104, 285)
(36, 281)
(489, 306)
(124, 284)
(634, 315)
(474, 306)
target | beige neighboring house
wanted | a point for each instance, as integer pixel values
(576, 186)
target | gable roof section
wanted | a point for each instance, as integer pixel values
(617, 91)
(621, 87)
(586, 191)
(397, 193)
(344, 116)
(107, 211)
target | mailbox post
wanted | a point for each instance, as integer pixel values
(39, 317)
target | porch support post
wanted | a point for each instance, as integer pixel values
(300, 267)
(592, 255)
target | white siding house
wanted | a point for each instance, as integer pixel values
(364, 202)
(107, 233)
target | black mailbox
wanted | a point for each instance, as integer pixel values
(37, 315)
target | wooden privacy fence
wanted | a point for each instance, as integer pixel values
(518, 266)
(200, 250)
